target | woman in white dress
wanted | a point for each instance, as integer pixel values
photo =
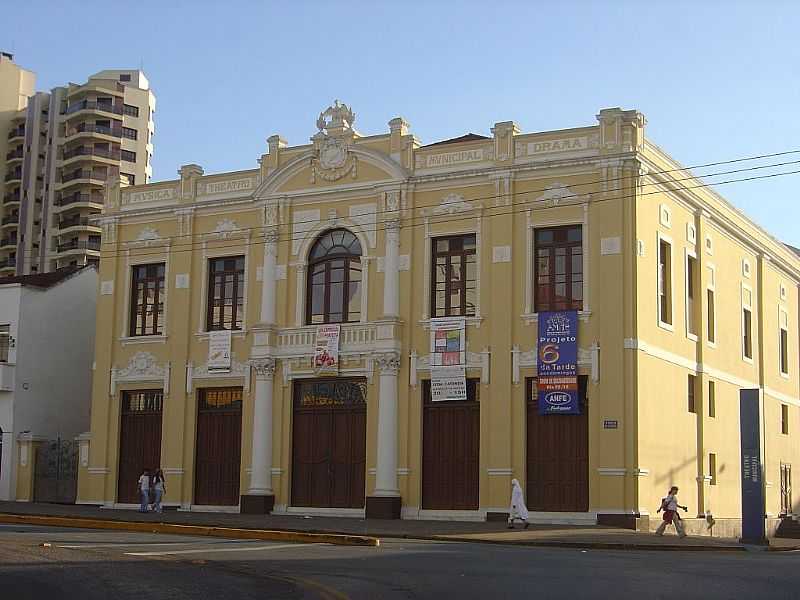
(518, 510)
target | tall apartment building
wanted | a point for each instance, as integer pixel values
(63, 146)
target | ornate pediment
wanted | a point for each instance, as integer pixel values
(453, 204)
(143, 365)
(146, 234)
(558, 193)
(333, 159)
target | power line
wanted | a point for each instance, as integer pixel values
(190, 246)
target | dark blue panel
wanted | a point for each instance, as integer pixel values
(752, 485)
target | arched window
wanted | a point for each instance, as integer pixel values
(333, 293)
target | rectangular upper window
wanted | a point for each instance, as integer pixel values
(783, 341)
(690, 393)
(558, 268)
(147, 300)
(785, 419)
(455, 276)
(747, 333)
(691, 287)
(130, 110)
(225, 293)
(712, 399)
(129, 133)
(711, 321)
(665, 282)
(127, 156)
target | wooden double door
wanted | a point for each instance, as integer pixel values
(450, 450)
(557, 456)
(329, 430)
(218, 447)
(139, 440)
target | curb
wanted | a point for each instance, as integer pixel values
(144, 527)
(597, 545)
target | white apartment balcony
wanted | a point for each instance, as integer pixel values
(14, 157)
(8, 243)
(89, 107)
(92, 131)
(14, 176)
(8, 266)
(11, 200)
(17, 134)
(84, 177)
(77, 201)
(90, 248)
(10, 222)
(76, 224)
(7, 377)
(79, 91)
(89, 154)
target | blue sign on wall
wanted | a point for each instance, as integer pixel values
(752, 486)
(558, 363)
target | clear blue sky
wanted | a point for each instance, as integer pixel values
(716, 80)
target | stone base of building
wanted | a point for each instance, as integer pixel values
(256, 505)
(624, 521)
(383, 507)
(496, 517)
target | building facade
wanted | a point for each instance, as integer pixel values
(681, 302)
(45, 368)
(62, 147)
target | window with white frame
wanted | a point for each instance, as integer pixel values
(691, 293)
(711, 309)
(664, 282)
(558, 268)
(747, 323)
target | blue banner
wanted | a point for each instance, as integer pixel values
(752, 487)
(557, 363)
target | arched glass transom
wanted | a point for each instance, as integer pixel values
(334, 279)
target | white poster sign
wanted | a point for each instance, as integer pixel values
(219, 350)
(448, 359)
(326, 350)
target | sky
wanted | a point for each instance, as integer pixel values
(716, 81)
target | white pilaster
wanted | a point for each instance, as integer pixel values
(268, 276)
(386, 468)
(391, 271)
(261, 460)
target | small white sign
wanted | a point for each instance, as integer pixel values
(107, 288)
(182, 281)
(610, 245)
(501, 254)
(219, 350)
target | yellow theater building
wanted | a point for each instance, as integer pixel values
(213, 289)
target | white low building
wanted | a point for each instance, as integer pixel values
(47, 325)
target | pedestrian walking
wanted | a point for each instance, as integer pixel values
(518, 509)
(670, 506)
(144, 490)
(159, 489)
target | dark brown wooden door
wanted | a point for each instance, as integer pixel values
(329, 443)
(139, 440)
(558, 456)
(219, 441)
(450, 451)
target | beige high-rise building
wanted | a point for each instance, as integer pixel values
(61, 148)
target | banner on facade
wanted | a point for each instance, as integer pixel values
(326, 350)
(448, 359)
(753, 507)
(219, 350)
(557, 363)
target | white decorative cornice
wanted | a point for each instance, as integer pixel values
(143, 366)
(388, 362)
(452, 204)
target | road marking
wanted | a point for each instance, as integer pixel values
(159, 544)
(211, 550)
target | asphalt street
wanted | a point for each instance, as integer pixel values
(52, 563)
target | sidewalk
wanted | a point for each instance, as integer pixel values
(594, 537)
